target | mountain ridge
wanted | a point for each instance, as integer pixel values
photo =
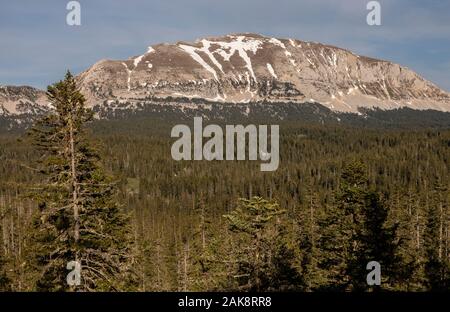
(242, 68)
(245, 68)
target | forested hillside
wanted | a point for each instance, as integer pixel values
(340, 198)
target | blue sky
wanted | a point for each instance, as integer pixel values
(37, 46)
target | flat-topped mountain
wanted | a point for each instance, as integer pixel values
(243, 68)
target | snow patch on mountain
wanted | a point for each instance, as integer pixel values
(192, 52)
(271, 71)
(128, 77)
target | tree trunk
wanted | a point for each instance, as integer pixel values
(185, 266)
(74, 182)
(441, 228)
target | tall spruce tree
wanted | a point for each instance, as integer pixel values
(437, 263)
(204, 266)
(308, 233)
(340, 226)
(78, 218)
(264, 259)
(377, 242)
(355, 232)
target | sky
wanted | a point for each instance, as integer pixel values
(37, 46)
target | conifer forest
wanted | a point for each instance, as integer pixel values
(106, 195)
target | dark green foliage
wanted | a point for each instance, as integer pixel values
(5, 282)
(263, 257)
(338, 214)
(437, 262)
(356, 233)
(377, 242)
(78, 218)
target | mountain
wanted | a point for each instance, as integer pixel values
(19, 105)
(244, 68)
(22, 100)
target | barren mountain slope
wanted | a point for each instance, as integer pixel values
(244, 68)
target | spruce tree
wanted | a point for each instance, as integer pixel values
(340, 226)
(437, 264)
(5, 282)
(355, 232)
(308, 234)
(377, 242)
(79, 218)
(263, 256)
(203, 248)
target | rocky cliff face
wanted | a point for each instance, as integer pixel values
(22, 101)
(243, 68)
